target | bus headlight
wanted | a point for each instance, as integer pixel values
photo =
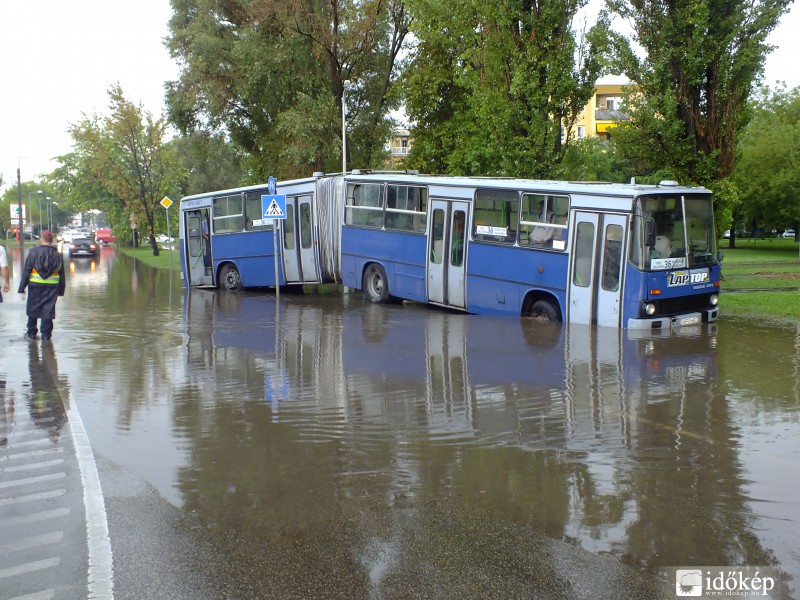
(650, 309)
(714, 299)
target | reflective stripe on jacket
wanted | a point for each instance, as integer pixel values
(55, 278)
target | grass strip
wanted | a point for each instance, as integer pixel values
(145, 254)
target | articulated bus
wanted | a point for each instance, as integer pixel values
(619, 255)
(226, 242)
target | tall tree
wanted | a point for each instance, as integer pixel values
(211, 162)
(693, 65)
(769, 195)
(492, 83)
(125, 157)
(595, 159)
(272, 73)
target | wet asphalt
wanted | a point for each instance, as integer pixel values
(159, 550)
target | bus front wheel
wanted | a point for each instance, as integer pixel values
(230, 278)
(375, 285)
(543, 310)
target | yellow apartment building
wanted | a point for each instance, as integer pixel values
(597, 119)
(399, 147)
(603, 109)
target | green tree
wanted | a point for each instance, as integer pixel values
(769, 195)
(595, 159)
(271, 74)
(693, 65)
(35, 199)
(77, 188)
(492, 83)
(123, 162)
(211, 162)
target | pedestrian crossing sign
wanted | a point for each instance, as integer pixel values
(273, 206)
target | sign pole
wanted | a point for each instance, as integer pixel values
(20, 221)
(273, 208)
(166, 203)
(275, 253)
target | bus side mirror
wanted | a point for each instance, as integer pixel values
(650, 233)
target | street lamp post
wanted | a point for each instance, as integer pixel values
(40, 192)
(346, 84)
(41, 221)
(50, 213)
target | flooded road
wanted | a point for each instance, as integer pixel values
(335, 449)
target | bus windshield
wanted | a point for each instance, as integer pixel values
(674, 231)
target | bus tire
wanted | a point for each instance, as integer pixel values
(375, 285)
(543, 310)
(230, 278)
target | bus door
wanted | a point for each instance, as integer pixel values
(196, 247)
(447, 252)
(299, 258)
(596, 268)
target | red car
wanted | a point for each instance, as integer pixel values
(105, 236)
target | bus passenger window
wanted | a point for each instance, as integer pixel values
(306, 240)
(496, 216)
(228, 214)
(288, 228)
(365, 205)
(612, 253)
(584, 246)
(253, 216)
(457, 252)
(544, 221)
(437, 237)
(405, 207)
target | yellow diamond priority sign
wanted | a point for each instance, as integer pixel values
(166, 202)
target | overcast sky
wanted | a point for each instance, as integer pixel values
(59, 57)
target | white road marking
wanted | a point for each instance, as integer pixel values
(30, 567)
(101, 565)
(33, 466)
(43, 515)
(36, 442)
(34, 453)
(45, 595)
(34, 541)
(49, 495)
(31, 480)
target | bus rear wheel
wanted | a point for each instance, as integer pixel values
(230, 278)
(543, 310)
(375, 284)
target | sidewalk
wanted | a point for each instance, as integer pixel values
(44, 552)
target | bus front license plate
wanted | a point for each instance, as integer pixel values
(689, 321)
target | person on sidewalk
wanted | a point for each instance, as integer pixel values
(44, 275)
(4, 271)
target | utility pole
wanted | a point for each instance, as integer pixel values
(20, 232)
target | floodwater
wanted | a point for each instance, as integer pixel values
(375, 446)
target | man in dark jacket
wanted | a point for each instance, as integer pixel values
(44, 275)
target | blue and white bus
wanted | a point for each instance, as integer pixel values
(226, 242)
(619, 255)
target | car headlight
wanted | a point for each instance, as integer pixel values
(714, 299)
(650, 309)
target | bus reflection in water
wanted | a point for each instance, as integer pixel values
(618, 255)
(475, 375)
(597, 436)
